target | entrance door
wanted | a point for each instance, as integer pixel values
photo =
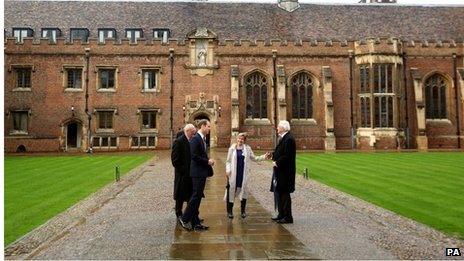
(203, 117)
(71, 135)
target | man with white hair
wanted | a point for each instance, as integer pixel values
(283, 178)
(180, 158)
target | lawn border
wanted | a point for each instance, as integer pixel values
(31, 243)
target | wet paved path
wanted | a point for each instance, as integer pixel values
(255, 237)
(138, 222)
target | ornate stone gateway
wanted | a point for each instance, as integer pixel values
(200, 107)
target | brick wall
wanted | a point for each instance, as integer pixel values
(50, 104)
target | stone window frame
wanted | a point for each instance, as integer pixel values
(270, 85)
(97, 120)
(133, 30)
(158, 72)
(107, 139)
(15, 132)
(19, 38)
(98, 69)
(142, 139)
(449, 85)
(140, 112)
(103, 34)
(50, 38)
(163, 39)
(83, 39)
(372, 95)
(288, 93)
(14, 68)
(65, 70)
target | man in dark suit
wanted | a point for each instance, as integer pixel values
(200, 169)
(283, 180)
(180, 158)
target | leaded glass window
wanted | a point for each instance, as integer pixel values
(148, 120)
(105, 119)
(302, 96)
(435, 97)
(107, 79)
(256, 96)
(20, 120)
(23, 77)
(376, 95)
(74, 78)
(383, 96)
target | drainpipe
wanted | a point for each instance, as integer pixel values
(456, 95)
(171, 97)
(89, 115)
(405, 77)
(352, 130)
(274, 60)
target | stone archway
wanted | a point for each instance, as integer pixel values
(211, 139)
(72, 136)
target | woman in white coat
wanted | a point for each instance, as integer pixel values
(237, 172)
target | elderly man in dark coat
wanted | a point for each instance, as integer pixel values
(200, 169)
(283, 179)
(180, 158)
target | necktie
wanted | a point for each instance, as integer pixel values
(204, 141)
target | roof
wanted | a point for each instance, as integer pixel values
(244, 20)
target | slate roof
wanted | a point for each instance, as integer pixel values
(244, 20)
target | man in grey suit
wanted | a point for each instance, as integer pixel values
(200, 169)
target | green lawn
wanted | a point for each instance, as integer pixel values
(427, 187)
(39, 187)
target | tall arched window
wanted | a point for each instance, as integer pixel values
(302, 96)
(435, 97)
(256, 96)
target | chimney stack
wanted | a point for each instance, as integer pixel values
(379, 1)
(288, 5)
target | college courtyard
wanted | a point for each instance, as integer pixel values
(96, 91)
(392, 205)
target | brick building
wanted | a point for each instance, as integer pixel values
(128, 75)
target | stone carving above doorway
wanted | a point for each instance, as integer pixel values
(201, 104)
(202, 61)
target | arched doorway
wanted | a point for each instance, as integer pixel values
(199, 117)
(73, 135)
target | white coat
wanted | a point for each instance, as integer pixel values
(231, 169)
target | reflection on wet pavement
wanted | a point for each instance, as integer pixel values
(255, 237)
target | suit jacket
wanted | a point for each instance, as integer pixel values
(199, 166)
(284, 156)
(180, 158)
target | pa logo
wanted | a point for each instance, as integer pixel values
(453, 251)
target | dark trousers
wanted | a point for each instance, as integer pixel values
(230, 205)
(284, 205)
(178, 208)
(191, 211)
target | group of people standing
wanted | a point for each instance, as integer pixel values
(192, 167)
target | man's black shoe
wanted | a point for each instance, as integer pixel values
(285, 221)
(186, 225)
(201, 227)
